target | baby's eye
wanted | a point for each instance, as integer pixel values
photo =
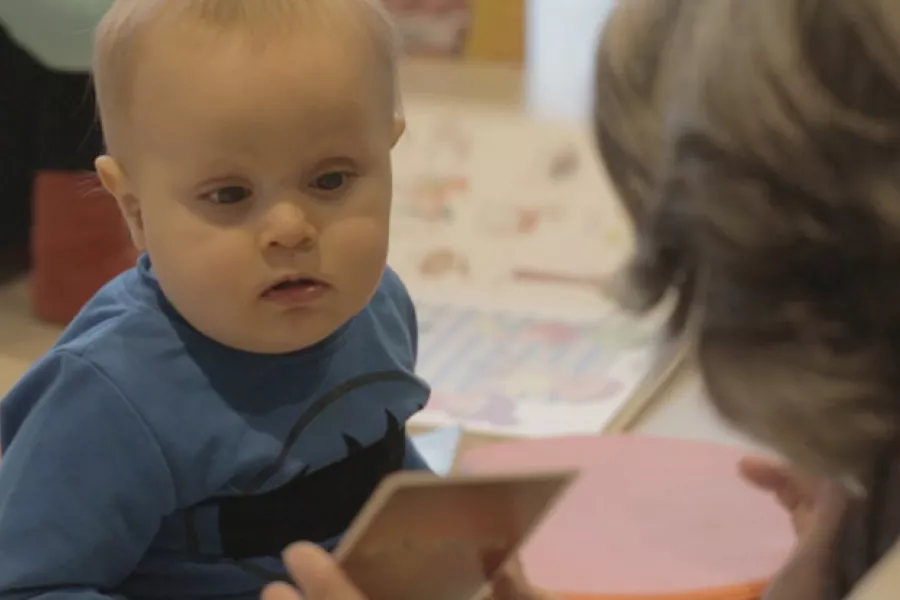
(229, 195)
(331, 182)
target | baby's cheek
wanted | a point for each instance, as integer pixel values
(358, 237)
(356, 252)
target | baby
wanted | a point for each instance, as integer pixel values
(248, 383)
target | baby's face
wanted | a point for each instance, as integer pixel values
(253, 167)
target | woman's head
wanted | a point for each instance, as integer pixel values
(641, 63)
(773, 209)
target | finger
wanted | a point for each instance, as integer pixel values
(511, 584)
(790, 487)
(770, 477)
(832, 504)
(827, 519)
(317, 575)
(281, 591)
(771, 474)
(763, 473)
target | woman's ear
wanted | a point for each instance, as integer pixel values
(113, 178)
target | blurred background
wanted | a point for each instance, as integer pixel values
(503, 223)
(516, 63)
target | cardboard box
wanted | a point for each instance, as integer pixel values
(478, 30)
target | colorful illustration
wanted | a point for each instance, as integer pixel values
(517, 220)
(522, 197)
(557, 278)
(564, 164)
(432, 198)
(432, 173)
(497, 410)
(481, 30)
(505, 230)
(444, 262)
(432, 27)
(501, 372)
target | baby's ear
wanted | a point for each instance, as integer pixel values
(116, 183)
(399, 129)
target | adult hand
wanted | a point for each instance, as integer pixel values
(316, 573)
(512, 585)
(796, 492)
(320, 578)
(817, 508)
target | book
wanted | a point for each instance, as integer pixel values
(444, 538)
(505, 229)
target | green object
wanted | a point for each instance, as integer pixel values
(59, 33)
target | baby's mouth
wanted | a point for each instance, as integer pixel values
(293, 283)
(296, 291)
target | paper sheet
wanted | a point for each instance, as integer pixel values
(439, 448)
(503, 229)
(494, 209)
(507, 374)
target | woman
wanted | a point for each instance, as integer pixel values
(756, 146)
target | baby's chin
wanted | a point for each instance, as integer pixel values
(268, 336)
(317, 330)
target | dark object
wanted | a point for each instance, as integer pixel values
(78, 239)
(315, 506)
(54, 211)
(21, 76)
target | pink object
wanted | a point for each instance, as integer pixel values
(648, 518)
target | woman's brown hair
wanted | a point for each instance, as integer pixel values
(756, 146)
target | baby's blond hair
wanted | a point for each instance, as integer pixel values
(118, 38)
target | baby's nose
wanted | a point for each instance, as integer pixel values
(288, 226)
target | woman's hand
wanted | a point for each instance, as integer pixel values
(320, 578)
(511, 584)
(817, 508)
(315, 572)
(796, 492)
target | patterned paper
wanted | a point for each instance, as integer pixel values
(504, 229)
(493, 207)
(510, 374)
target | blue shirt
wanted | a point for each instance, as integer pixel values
(144, 460)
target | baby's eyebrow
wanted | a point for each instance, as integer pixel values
(336, 161)
(216, 166)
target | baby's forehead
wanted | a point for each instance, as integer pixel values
(316, 71)
(144, 56)
(304, 96)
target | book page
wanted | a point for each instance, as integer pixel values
(504, 229)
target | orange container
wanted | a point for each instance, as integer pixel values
(647, 519)
(78, 243)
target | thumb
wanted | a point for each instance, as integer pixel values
(511, 584)
(317, 575)
(763, 473)
(792, 488)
